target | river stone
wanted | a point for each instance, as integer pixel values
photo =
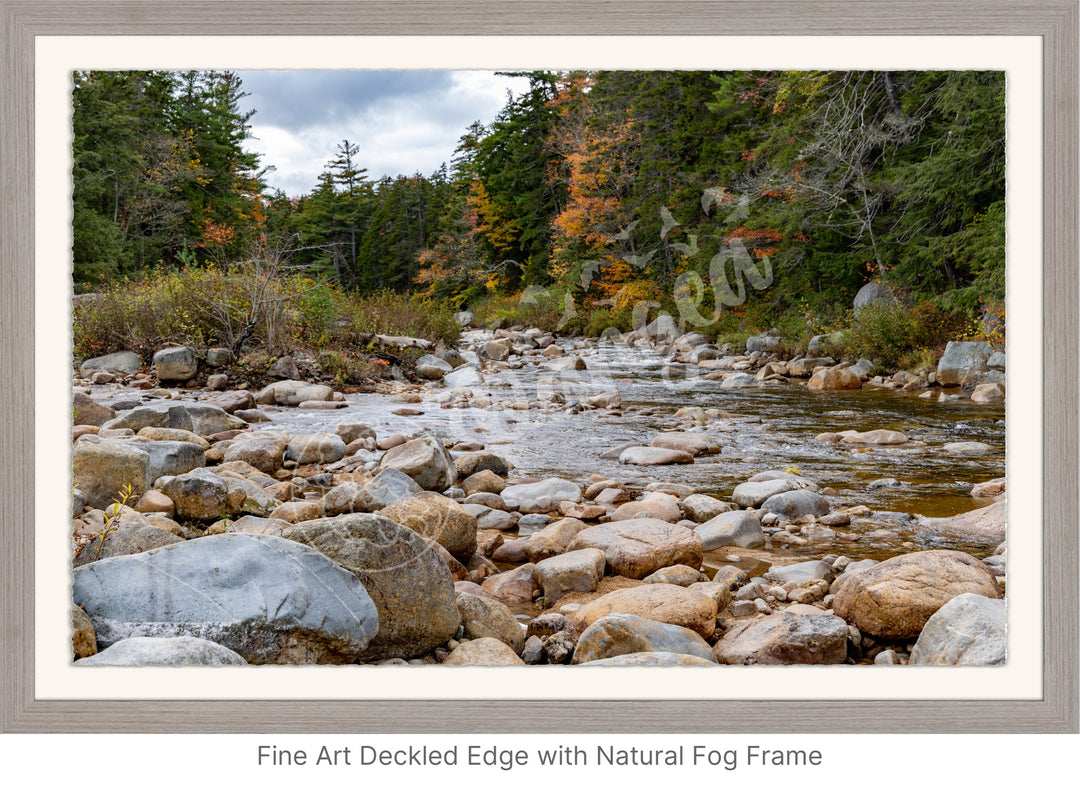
(293, 392)
(83, 640)
(256, 501)
(124, 362)
(250, 524)
(264, 449)
(316, 447)
(463, 377)
(667, 604)
(437, 517)
(731, 529)
(542, 496)
(168, 434)
(695, 443)
(270, 600)
(678, 575)
(800, 572)
(800, 482)
(637, 548)
(101, 469)
(833, 379)
(483, 616)
(191, 416)
(484, 482)
(717, 592)
(702, 508)
(988, 392)
(969, 629)
(155, 501)
(651, 659)
(577, 570)
(426, 460)
(622, 634)
(609, 399)
(753, 494)
(895, 598)
(432, 367)
(515, 587)
(198, 495)
(124, 537)
(346, 498)
(658, 505)
(170, 458)
(874, 437)
(552, 539)
(738, 380)
(804, 367)
(962, 448)
(648, 455)
(796, 504)
(165, 651)
(85, 410)
(476, 461)
(762, 343)
(175, 364)
(785, 639)
(390, 486)
(409, 583)
(987, 524)
(959, 359)
(732, 577)
(489, 652)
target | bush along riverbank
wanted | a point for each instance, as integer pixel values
(430, 545)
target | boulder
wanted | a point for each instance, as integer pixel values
(637, 548)
(796, 504)
(293, 392)
(668, 604)
(553, 539)
(762, 343)
(753, 494)
(658, 505)
(264, 449)
(677, 575)
(425, 459)
(85, 410)
(987, 524)
(988, 392)
(175, 364)
(164, 651)
(316, 447)
(823, 343)
(785, 639)
(270, 600)
(959, 359)
(514, 587)
(409, 583)
(83, 639)
(490, 652)
(476, 461)
(651, 659)
(801, 572)
(191, 416)
(170, 458)
(437, 517)
(432, 367)
(199, 495)
(648, 455)
(833, 379)
(103, 469)
(124, 362)
(542, 496)
(463, 377)
(731, 529)
(873, 293)
(874, 437)
(969, 629)
(486, 617)
(577, 570)
(126, 537)
(622, 634)
(895, 598)
(702, 508)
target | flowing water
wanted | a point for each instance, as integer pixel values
(772, 428)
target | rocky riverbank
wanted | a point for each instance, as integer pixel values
(209, 529)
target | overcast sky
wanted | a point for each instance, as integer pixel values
(404, 121)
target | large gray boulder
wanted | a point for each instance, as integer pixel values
(193, 417)
(432, 367)
(408, 581)
(959, 359)
(753, 494)
(797, 503)
(124, 362)
(873, 293)
(426, 460)
(969, 629)
(737, 529)
(175, 364)
(270, 600)
(785, 639)
(170, 458)
(165, 651)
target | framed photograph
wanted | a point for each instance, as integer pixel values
(1021, 55)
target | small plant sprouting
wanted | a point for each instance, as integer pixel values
(126, 494)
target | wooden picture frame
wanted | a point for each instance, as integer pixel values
(1055, 21)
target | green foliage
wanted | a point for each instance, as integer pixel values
(895, 335)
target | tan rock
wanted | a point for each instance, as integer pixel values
(484, 651)
(785, 639)
(833, 379)
(895, 598)
(637, 548)
(436, 516)
(668, 604)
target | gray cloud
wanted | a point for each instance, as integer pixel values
(403, 121)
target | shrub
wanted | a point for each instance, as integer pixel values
(894, 334)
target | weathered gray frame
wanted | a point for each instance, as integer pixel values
(1054, 20)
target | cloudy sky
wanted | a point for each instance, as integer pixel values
(404, 121)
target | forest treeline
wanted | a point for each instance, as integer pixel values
(608, 188)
